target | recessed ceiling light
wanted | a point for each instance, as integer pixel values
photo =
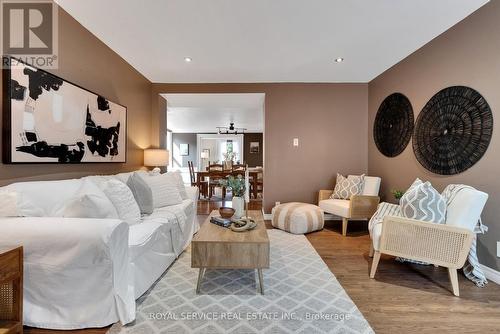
(339, 60)
(188, 59)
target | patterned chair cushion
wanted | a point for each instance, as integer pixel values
(298, 218)
(345, 187)
(422, 202)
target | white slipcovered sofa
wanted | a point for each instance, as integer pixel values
(86, 272)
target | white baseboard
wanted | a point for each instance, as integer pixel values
(491, 274)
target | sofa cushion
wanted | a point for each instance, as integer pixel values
(88, 202)
(422, 202)
(140, 235)
(8, 208)
(122, 198)
(34, 202)
(339, 207)
(164, 189)
(345, 187)
(142, 193)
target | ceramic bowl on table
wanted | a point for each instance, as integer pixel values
(226, 212)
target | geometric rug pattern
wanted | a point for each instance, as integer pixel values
(301, 296)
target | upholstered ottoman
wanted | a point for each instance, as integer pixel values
(298, 218)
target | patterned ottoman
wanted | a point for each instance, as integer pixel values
(298, 218)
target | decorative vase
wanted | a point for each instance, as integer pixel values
(228, 164)
(238, 206)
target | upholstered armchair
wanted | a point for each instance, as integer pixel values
(357, 207)
(445, 245)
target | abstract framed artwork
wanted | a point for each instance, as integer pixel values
(47, 119)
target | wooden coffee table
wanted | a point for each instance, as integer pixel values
(216, 247)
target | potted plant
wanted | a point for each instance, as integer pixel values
(397, 194)
(237, 186)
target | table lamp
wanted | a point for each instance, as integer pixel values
(155, 157)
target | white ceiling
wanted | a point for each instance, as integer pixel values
(266, 40)
(202, 113)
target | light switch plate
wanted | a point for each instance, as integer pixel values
(498, 248)
(295, 141)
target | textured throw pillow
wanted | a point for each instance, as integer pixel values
(422, 202)
(180, 183)
(89, 202)
(346, 187)
(142, 193)
(8, 207)
(164, 189)
(122, 198)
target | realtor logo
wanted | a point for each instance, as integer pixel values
(29, 32)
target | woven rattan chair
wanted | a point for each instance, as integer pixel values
(442, 245)
(357, 207)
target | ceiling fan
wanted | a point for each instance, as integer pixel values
(231, 130)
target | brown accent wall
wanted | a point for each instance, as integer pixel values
(253, 159)
(86, 61)
(330, 121)
(468, 54)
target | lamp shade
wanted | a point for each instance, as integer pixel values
(204, 155)
(155, 157)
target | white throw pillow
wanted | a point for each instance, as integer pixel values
(422, 202)
(122, 198)
(8, 204)
(345, 187)
(180, 183)
(164, 189)
(89, 202)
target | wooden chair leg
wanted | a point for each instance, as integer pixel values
(372, 250)
(376, 259)
(344, 226)
(454, 281)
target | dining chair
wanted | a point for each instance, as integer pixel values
(203, 184)
(239, 168)
(214, 180)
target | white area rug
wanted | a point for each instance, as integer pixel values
(301, 296)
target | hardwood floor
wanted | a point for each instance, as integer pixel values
(402, 298)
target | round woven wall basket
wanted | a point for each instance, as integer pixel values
(393, 125)
(453, 131)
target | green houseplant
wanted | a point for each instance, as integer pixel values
(397, 194)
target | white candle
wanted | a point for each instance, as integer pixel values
(247, 185)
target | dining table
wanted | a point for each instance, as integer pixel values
(253, 176)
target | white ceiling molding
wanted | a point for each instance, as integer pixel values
(266, 41)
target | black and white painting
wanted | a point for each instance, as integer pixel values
(54, 121)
